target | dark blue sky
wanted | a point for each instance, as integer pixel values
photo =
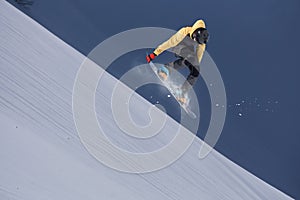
(254, 43)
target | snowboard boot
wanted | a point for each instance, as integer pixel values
(182, 100)
(180, 96)
(163, 73)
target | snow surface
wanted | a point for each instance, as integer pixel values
(41, 155)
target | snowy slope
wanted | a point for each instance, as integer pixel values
(41, 155)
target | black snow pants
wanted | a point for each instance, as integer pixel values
(194, 71)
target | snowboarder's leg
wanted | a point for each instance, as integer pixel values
(177, 64)
(191, 79)
(164, 71)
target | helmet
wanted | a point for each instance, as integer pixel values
(200, 35)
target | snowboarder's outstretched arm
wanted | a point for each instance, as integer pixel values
(173, 41)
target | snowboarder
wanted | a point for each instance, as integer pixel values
(188, 44)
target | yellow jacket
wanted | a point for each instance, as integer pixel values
(179, 36)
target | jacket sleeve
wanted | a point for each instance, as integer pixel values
(200, 52)
(173, 41)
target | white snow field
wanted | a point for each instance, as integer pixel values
(42, 157)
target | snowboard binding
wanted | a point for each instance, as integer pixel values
(180, 96)
(163, 73)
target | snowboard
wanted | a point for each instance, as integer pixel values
(174, 90)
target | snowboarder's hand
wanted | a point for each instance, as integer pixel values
(150, 57)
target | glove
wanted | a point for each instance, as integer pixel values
(150, 57)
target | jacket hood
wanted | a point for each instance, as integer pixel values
(198, 24)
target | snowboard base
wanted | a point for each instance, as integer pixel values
(173, 89)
